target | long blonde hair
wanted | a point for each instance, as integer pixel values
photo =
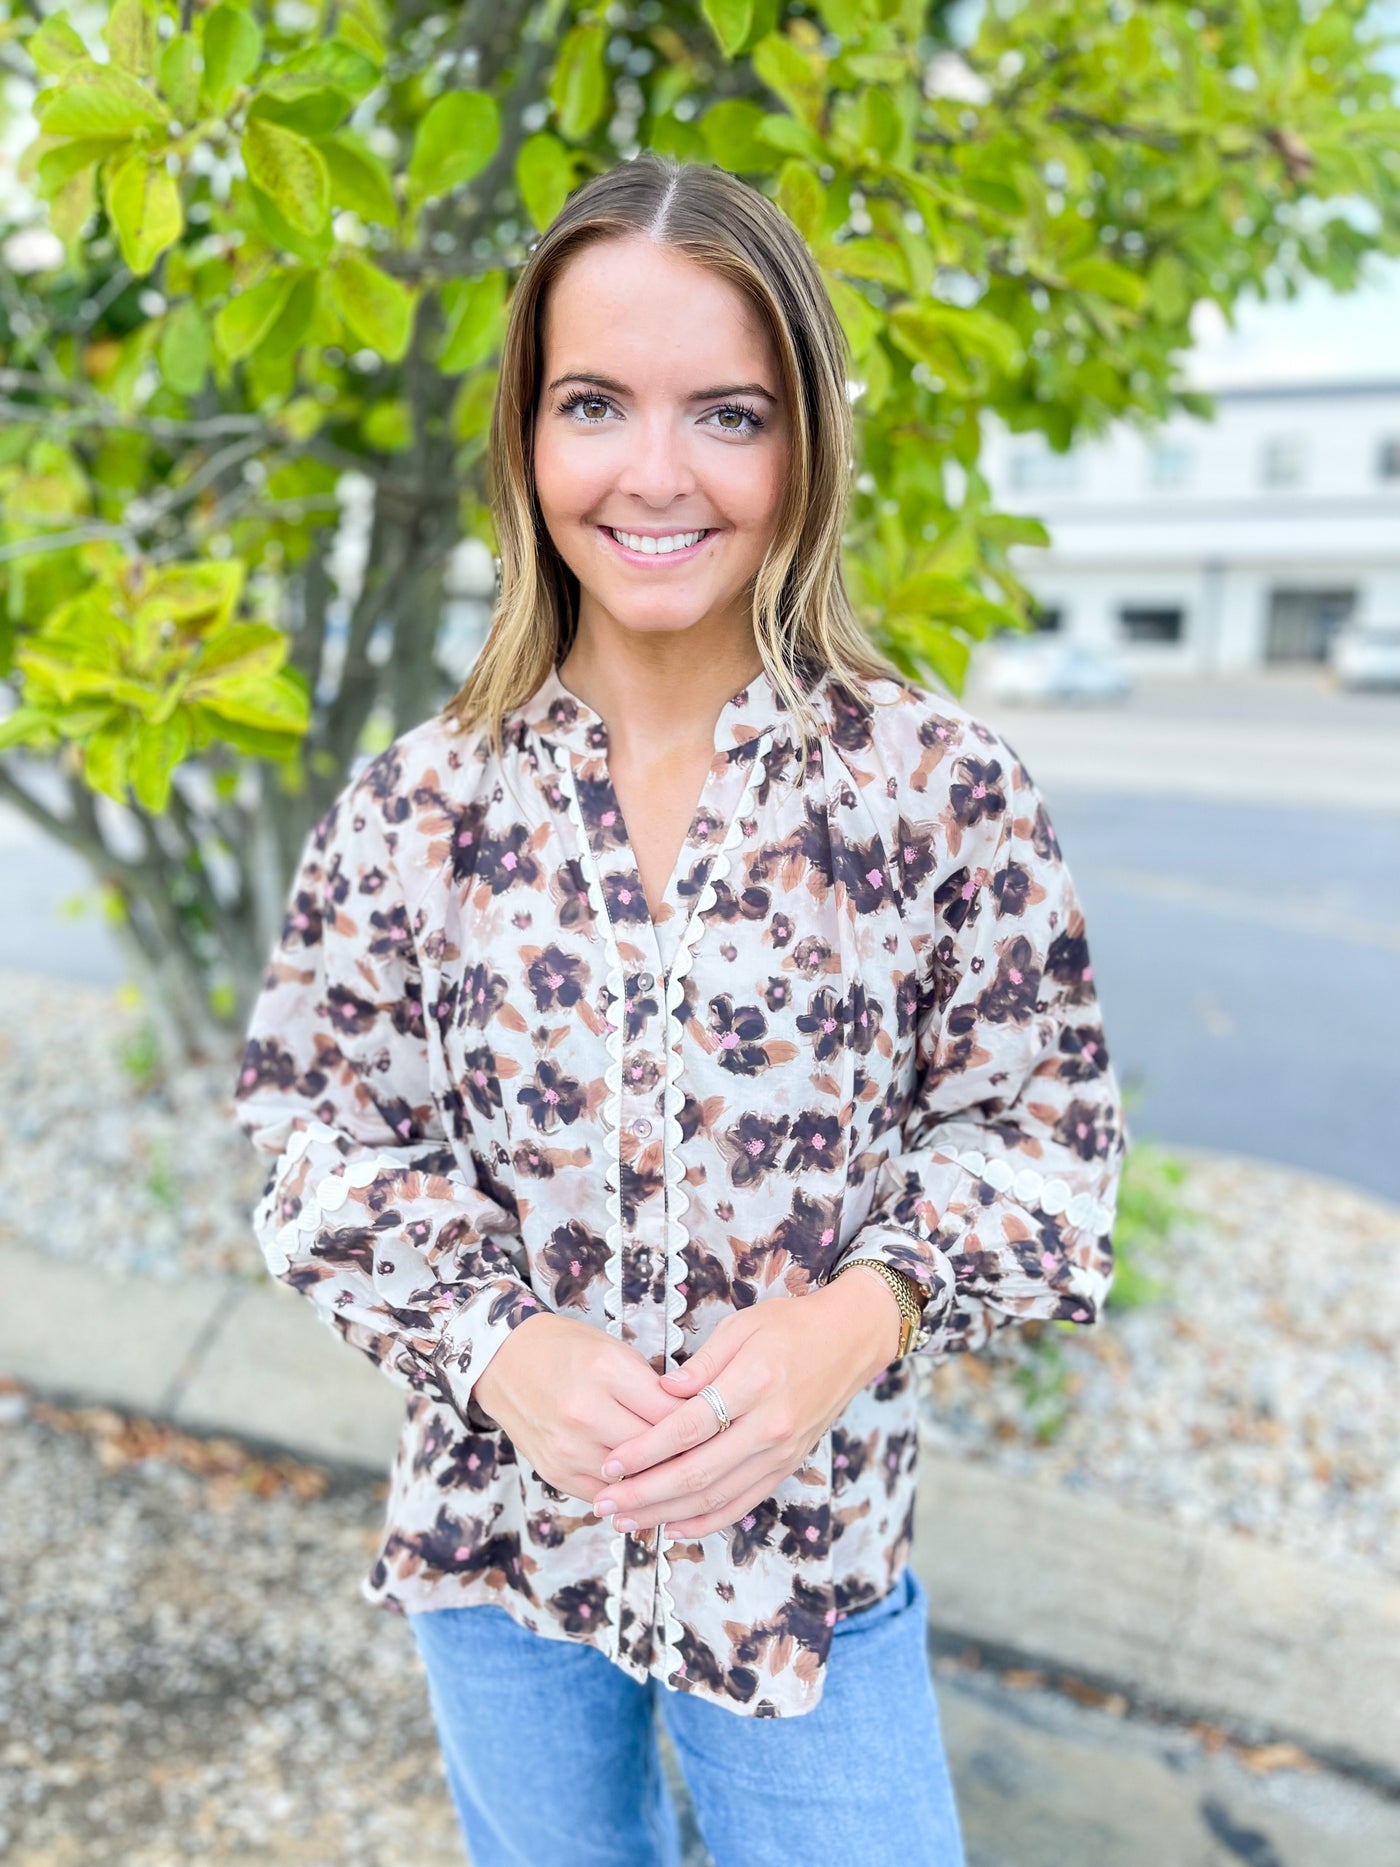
(802, 612)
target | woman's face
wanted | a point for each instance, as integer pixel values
(687, 434)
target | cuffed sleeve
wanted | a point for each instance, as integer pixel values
(1000, 1198)
(366, 1211)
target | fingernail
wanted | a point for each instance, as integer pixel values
(612, 1468)
(624, 1523)
(602, 1506)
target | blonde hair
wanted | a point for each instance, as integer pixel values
(802, 613)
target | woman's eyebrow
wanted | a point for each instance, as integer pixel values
(700, 395)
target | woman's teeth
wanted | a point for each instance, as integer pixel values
(655, 547)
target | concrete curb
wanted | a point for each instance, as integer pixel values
(1199, 1623)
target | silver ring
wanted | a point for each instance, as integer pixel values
(712, 1394)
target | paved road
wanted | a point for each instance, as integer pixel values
(1236, 844)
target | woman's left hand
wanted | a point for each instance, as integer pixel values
(785, 1369)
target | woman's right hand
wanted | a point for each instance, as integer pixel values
(565, 1393)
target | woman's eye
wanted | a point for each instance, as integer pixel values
(581, 400)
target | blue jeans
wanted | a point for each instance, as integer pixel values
(553, 1760)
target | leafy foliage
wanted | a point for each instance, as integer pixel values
(283, 241)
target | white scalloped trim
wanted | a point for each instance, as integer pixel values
(677, 1199)
(1034, 1188)
(612, 1114)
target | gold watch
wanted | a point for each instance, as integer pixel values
(909, 1294)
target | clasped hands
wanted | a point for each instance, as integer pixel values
(598, 1423)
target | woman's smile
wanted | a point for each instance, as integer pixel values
(677, 547)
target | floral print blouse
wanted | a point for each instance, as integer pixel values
(863, 1022)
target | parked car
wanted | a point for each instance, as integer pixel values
(1042, 669)
(1367, 654)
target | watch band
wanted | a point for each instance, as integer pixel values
(908, 1293)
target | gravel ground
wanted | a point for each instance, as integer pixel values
(188, 1674)
(1256, 1393)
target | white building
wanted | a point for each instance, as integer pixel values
(1218, 545)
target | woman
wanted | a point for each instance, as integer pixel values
(689, 959)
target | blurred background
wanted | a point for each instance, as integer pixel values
(1122, 291)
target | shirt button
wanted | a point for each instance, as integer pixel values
(645, 981)
(641, 1126)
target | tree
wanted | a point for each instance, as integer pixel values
(256, 255)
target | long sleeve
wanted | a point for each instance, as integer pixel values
(1001, 1196)
(366, 1211)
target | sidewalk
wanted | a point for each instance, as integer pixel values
(1194, 1623)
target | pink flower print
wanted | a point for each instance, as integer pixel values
(1015, 975)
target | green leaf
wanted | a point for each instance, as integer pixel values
(947, 654)
(158, 749)
(359, 179)
(184, 349)
(378, 309)
(242, 649)
(474, 310)
(578, 87)
(290, 170)
(97, 100)
(105, 757)
(791, 75)
(56, 45)
(295, 318)
(314, 111)
(859, 318)
(314, 248)
(178, 75)
(1108, 280)
(544, 174)
(58, 166)
(271, 702)
(233, 44)
(729, 21)
(194, 596)
(801, 197)
(730, 129)
(143, 204)
(1169, 287)
(26, 725)
(333, 63)
(131, 35)
(458, 136)
(388, 427)
(245, 321)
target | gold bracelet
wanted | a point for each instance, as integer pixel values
(908, 1293)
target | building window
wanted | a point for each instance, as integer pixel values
(1301, 623)
(1169, 464)
(1041, 470)
(1388, 458)
(1047, 621)
(1157, 623)
(1285, 460)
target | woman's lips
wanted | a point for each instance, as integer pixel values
(649, 558)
